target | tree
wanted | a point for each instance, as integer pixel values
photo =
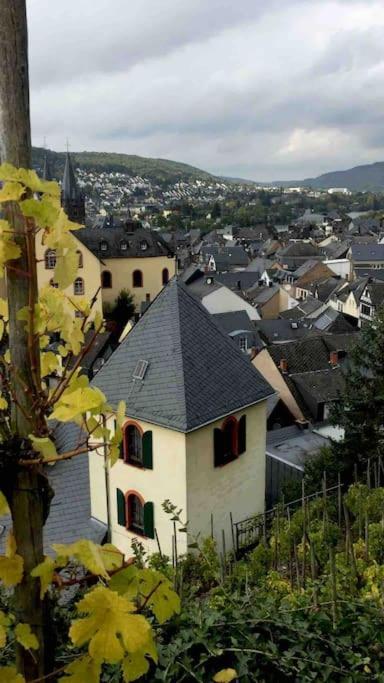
(360, 410)
(123, 308)
(114, 628)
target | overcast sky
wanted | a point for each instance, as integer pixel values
(271, 89)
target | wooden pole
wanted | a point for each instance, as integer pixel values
(28, 492)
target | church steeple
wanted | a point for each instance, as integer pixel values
(47, 170)
(72, 199)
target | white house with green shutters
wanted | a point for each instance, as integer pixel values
(194, 433)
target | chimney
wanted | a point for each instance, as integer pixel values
(334, 358)
(283, 365)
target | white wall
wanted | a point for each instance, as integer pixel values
(223, 300)
(238, 487)
(341, 267)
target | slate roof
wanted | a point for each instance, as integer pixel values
(302, 355)
(294, 249)
(195, 373)
(238, 323)
(259, 265)
(367, 252)
(325, 288)
(336, 249)
(69, 185)
(276, 331)
(242, 278)
(376, 291)
(70, 513)
(304, 308)
(323, 385)
(333, 321)
(118, 237)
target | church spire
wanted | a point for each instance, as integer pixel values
(47, 170)
(72, 199)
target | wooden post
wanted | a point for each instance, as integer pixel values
(304, 529)
(339, 499)
(332, 564)
(27, 494)
(232, 532)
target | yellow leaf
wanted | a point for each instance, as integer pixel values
(44, 446)
(120, 413)
(110, 627)
(4, 509)
(44, 571)
(112, 557)
(11, 192)
(25, 637)
(4, 309)
(8, 674)
(7, 356)
(84, 670)
(74, 403)
(3, 403)
(225, 676)
(126, 582)
(164, 602)
(86, 553)
(4, 622)
(49, 363)
(67, 263)
(59, 234)
(45, 212)
(29, 179)
(134, 666)
(11, 565)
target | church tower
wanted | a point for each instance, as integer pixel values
(72, 199)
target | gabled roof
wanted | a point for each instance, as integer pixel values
(241, 280)
(322, 385)
(300, 249)
(123, 244)
(376, 292)
(195, 373)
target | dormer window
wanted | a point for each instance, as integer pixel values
(143, 245)
(123, 245)
(103, 245)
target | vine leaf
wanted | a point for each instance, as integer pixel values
(11, 564)
(8, 674)
(67, 261)
(126, 582)
(29, 179)
(75, 402)
(11, 192)
(86, 553)
(25, 637)
(81, 670)
(110, 627)
(4, 509)
(164, 602)
(44, 446)
(135, 664)
(112, 557)
(8, 248)
(44, 571)
(225, 676)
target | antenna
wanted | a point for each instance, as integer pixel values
(67, 144)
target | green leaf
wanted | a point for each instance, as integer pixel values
(44, 571)
(44, 211)
(11, 192)
(28, 178)
(126, 582)
(110, 627)
(67, 263)
(25, 637)
(112, 557)
(50, 362)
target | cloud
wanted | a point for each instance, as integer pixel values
(283, 89)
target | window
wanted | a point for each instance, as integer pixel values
(50, 259)
(53, 283)
(78, 286)
(143, 245)
(80, 255)
(229, 440)
(123, 245)
(134, 514)
(137, 278)
(243, 343)
(148, 298)
(365, 310)
(137, 446)
(134, 445)
(165, 276)
(106, 279)
(103, 245)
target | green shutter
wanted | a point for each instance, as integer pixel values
(147, 451)
(242, 435)
(149, 525)
(218, 447)
(121, 514)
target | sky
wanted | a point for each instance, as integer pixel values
(271, 90)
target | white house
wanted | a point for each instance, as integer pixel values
(217, 298)
(195, 428)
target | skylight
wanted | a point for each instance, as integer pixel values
(140, 369)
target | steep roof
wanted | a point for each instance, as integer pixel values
(123, 244)
(299, 249)
(195, 373)
(69, 185)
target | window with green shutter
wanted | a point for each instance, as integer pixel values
(147, 451)
(149, 521)
(121, 509)
(242, 435)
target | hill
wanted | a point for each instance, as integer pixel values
(161, 171)
(369, 177)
